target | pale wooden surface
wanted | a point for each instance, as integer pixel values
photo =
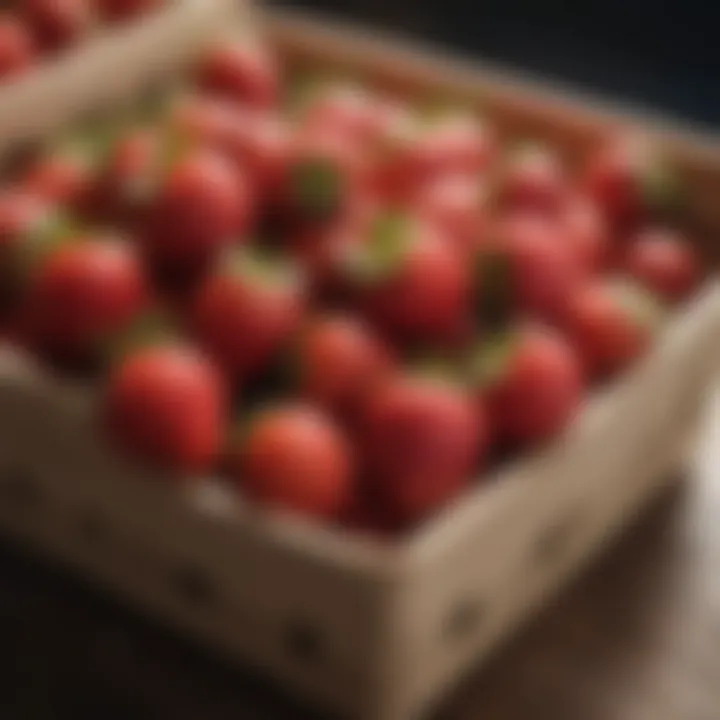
(638, 638)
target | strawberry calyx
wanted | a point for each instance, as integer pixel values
(150, 329)
(53, 230)
(441, 367)
(488, 362)
(317, 188)
(661, 189)
(263, 265)
(383, 255)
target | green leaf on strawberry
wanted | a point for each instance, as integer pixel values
(380, 258)
(489, 359)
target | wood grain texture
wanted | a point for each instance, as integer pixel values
(637, 638)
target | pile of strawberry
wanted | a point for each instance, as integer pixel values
(343, 305)
(31, 29)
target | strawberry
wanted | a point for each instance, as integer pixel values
(664, 261)
(240, 73)
(410, 279)
(350, 110)
(126, 178)
(203, 119)
(340, 361)
(295, 459)
(454, 143)
(321, 250)
(533, 179)
(629, 179)
(456, 204)
(531, 381)
(165, 404)
(612, 323)
(587, 233)
(422, 439)
(260, 143)
(411, 154)
(57, 24)
(64, 177)
(17, 48)
(248, 310)
(544, 269)
(202, 205)
(24, 221)
(82, 292)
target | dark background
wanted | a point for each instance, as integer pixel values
(664, 55)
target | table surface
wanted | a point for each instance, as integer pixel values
(636, 638)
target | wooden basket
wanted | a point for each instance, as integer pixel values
(374, 631)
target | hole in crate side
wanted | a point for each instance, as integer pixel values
(464, 620)
(194, 586)
(555, 541)
(302, 640)
(20, 489)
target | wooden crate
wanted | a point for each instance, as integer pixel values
(373, 630)
(108, 68)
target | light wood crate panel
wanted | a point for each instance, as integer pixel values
(375, 631)
(114, 65)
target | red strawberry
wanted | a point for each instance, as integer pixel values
(323, 249)
(166, 405)
(413, 154)
(544, 270)
(410, 279)
(629, 179)
(63, 177)
(17, 49)
(203, 119)
(83, 292)
(127, 177)
(340, 361)
(423, 438)
(113, 11)
(294, 458)
(261, 143)
(456, 143)
(241, 73)
(587, 233)
(24, 219)
(202, 205)
(247, 311)
(257, 140)
(58, 23)
(532, 382)
(348, 109)
(456, 204)
(611, 325)
(533, 180)
(665, 262)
